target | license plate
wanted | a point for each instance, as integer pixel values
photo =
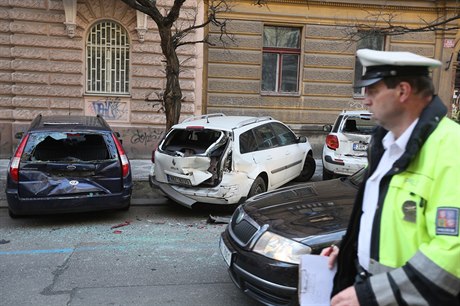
(225, 252)
(359, 147)
(179, 180)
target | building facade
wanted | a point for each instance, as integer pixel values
(295, 59)
(290, 59)
(88, 57)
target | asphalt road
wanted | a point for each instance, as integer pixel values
(161, 254)
(157, 253)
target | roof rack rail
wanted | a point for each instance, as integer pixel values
(365, 116)
(207, 116)
(253, 120)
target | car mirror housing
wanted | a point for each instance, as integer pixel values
(302, 139)
(327, 128)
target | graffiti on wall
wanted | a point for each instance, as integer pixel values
(139, 142)
(146, 137)
(111, 108)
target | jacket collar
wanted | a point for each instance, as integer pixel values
(427, 123)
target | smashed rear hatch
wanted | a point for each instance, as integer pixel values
(192, 156)
(66, 164)
(355, 136)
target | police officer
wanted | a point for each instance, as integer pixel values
(402, 245)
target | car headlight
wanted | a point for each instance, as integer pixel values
(280, 248)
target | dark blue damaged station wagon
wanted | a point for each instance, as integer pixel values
(68, 164)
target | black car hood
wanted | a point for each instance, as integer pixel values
(304, 210)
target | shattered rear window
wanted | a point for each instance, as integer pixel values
(190, 142)
(356, 125)
(66, 146)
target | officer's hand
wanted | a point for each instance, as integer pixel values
(332, 252)
(346, 297)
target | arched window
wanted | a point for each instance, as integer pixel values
(107, 59)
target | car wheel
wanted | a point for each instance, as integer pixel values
(327, 175)
(257, 187)
(308, 169)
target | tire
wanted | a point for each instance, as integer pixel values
(327, 175)
(257, 187)
(308, 170)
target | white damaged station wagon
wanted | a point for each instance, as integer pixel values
(222, 159)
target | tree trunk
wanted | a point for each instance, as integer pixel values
(172, 97)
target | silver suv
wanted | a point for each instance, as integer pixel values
(222, 159)
(345, 148)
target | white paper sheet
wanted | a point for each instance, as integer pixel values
(315, 281)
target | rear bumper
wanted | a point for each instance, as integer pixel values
(66, 204)
(171, 193)
(188, 196)
(345, 165)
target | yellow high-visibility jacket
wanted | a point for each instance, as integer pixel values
(415, 242)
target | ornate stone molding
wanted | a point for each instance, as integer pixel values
(70, 9)
(141, 25)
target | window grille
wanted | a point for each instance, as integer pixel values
(107, 59)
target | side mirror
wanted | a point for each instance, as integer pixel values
(302, 139)
(18, 135)
(327, 128)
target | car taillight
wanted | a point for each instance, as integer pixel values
(123, 158)
(154, 150)
(332, 142)
(14, 164)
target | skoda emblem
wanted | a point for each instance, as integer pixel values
(73, 182)
(240, 217)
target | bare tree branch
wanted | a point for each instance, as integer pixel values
(169, 28)
(392, 29)
(147, 7)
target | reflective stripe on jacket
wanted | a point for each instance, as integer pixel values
(415, 244)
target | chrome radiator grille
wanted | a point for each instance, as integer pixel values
(242, 228)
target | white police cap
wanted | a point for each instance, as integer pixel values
(383, 64)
